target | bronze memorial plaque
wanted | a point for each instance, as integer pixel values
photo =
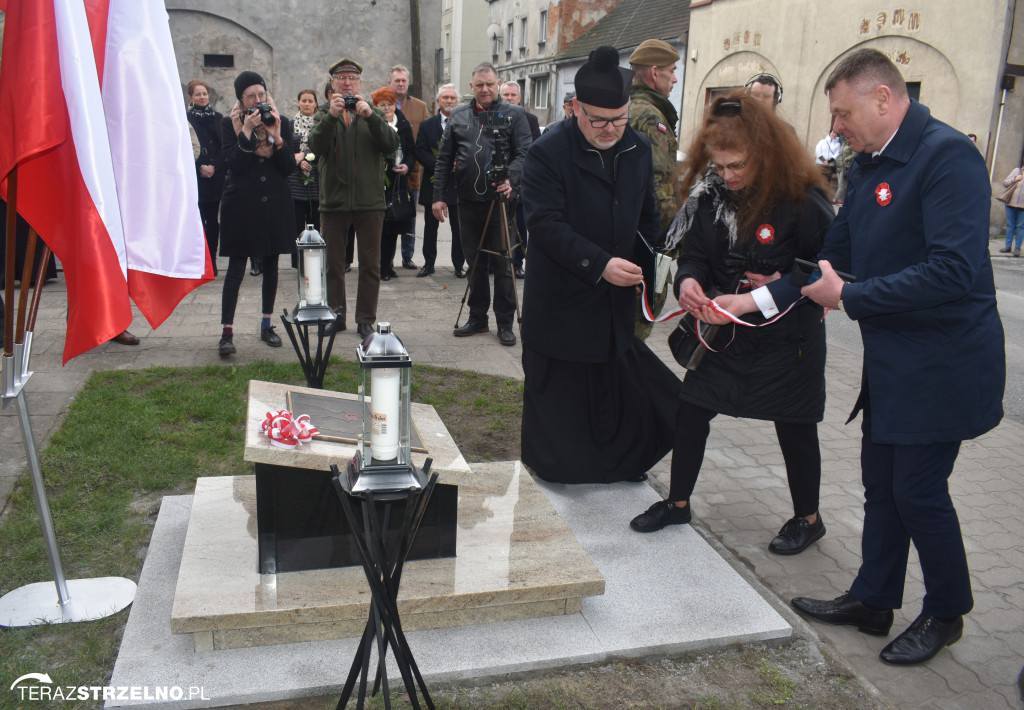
(337, 418)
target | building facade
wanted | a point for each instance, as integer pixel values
(952, 54)
(292, 43)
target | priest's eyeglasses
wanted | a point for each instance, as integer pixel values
(618, 122)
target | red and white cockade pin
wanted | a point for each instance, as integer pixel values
(765, 233)
(883, 194)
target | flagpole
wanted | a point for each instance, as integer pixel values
(39, 603)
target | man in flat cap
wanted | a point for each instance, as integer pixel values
(598, 405)
(654, 117)
(351, 140)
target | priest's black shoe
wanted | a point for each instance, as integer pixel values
(506, 336)
(844, 610)
(796, 536)
(470, 328)
(425, 271)
(268, 336)
(365, 330)
(408, 264)
(660, 515)
(923, 639)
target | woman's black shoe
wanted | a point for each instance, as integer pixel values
(796, 536)
(660, 515)
(268, 336)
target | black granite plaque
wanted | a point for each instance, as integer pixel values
(301, 525)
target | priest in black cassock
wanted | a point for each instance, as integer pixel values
(598, 406)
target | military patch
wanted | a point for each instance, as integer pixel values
(663, 128)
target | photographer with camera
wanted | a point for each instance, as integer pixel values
(256, 206)
(486, 140)
(352, 141)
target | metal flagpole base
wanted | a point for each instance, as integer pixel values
(89, 599)
(60, 601)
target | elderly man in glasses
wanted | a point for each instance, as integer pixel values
(598, 405)
(351, 139)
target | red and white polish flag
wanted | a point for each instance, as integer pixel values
(89, 101)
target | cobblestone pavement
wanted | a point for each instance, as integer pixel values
(741, 498)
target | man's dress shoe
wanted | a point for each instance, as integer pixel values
(844, 610)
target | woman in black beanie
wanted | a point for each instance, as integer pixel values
(256, 207)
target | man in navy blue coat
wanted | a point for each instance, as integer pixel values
(914, 231)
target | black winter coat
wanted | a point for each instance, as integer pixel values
(256, 215)
(401, 182)
(207, 128)
(578, 219)
(775, 373)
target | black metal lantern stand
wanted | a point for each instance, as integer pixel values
(312, 310)
(380, 475)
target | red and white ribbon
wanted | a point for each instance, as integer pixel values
(287, 431)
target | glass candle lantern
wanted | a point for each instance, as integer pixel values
(312, 273)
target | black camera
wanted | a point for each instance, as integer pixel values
(496, 126)
(265, 111)
(350, 102)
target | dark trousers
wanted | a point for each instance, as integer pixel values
(388, 243)
(906, 499)
(799, 444)
(233, 282)
(472, 223)
(335, 233)
(430, 227)
(209, 213)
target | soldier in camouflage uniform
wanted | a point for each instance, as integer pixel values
(654, 117)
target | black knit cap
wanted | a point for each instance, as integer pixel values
(245, 80)
(602, 82)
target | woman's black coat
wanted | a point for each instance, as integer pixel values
(775, 373)
(207, 128)
(257, 216)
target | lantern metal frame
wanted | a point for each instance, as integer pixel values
(312, 305)
(384, 402)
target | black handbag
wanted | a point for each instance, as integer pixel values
(399, 203)
(683, 341)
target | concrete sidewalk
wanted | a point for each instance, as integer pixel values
(740, 501)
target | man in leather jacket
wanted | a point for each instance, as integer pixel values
(467, 144)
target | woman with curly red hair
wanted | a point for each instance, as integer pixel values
(756, 202)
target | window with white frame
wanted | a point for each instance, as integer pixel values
(540, 92)
(522, 34)
(542, 28)
(509, 36)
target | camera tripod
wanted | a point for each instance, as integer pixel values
(505, 253)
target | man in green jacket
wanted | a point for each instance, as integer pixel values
(653, 116)
(352, 140)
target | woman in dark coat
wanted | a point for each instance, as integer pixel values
(758, 207)
(397, 171)
(305, 181)
(210, 164)
(257, 217)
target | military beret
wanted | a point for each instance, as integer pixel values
(654, 53)
(345, 64)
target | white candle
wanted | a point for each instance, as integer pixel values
(384, 408)
(311, 274)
